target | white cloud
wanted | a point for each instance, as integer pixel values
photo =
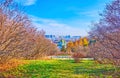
(26, 2)
(94, 13)
(56, 28)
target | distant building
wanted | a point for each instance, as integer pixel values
(51, 37)
(74, 38)
(62, 40)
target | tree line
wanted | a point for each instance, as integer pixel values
(75, 46)
(18, 36)
(107, 34)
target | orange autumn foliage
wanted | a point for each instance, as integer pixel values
(11, 64)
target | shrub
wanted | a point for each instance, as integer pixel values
(62, 53)
(63, 49)
(77, 57)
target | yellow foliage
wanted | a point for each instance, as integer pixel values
(81, 42)
(76, 43)
(85, 41)
(70, 44)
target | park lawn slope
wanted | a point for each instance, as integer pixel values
(60, 69)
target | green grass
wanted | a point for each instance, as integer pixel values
(61, 69)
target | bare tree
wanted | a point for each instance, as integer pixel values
(107, 34)
(18, 37)
(13, 25)
(43, 46)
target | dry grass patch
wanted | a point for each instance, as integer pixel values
(11, 64)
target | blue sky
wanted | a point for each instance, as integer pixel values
(64, 17)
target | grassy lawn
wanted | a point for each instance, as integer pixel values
(61, 69)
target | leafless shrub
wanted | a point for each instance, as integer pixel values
(77, 56)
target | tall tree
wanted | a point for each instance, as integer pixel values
(18, 37)
(107, 34)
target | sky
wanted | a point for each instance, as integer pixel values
(64, 17)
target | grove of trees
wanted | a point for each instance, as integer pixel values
(80, 45)
(107, 35)
(18, 36)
